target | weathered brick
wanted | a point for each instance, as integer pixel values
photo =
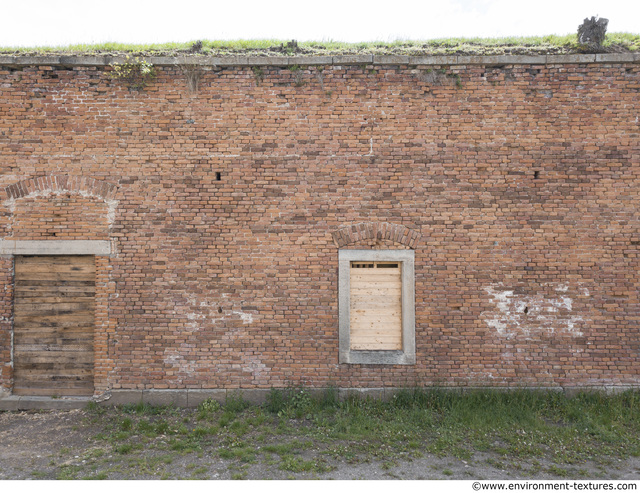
(517, 187)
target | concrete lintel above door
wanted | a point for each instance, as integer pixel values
(55, 247)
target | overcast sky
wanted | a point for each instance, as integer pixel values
(63, 22)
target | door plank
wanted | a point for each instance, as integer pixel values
(54, 318)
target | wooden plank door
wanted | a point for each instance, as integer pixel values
(53, 325)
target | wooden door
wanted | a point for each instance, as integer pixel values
(53, 325)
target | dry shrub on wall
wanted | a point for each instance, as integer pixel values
(193, 74)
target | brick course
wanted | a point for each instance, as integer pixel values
(517, 186)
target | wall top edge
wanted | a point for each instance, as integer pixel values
(99, 61)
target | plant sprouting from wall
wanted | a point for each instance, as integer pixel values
(134, 72)
(439, 77)
(258, 73)
(320, 76)
(297, 75)
(193, 74)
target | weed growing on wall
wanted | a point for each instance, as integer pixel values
(439, 78)
(135, 73)
(258, 73)
(320, 76)
(297, 75)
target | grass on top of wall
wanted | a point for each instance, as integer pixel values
(551, 44)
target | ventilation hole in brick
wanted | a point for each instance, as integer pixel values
(526, 310)
(219, 309)
(536, 175)
(218, 176)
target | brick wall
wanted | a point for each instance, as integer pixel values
(518, 187)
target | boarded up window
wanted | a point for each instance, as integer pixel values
(376, 306)
(53, 325)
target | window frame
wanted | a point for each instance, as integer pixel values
(406, 356)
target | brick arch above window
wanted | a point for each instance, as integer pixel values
(360, 232)
(60, 183)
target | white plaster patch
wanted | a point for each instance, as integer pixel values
(485, 376)
(501, 327)
(200, 313)
(193, 325)
(528, 316)
(7, 180)
(112, 205)
(254, 365)
(172, 358)
(246, 318)
(11, 205)
(175, 359)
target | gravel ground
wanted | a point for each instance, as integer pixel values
(66, 445)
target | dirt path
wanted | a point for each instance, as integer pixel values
(68, 445)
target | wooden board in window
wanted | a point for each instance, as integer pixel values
(375, 306)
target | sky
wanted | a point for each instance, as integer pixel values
(65, 22)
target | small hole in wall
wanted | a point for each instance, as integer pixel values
(218, 176)
(536, 175)
(526, 310)
(219, 309)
